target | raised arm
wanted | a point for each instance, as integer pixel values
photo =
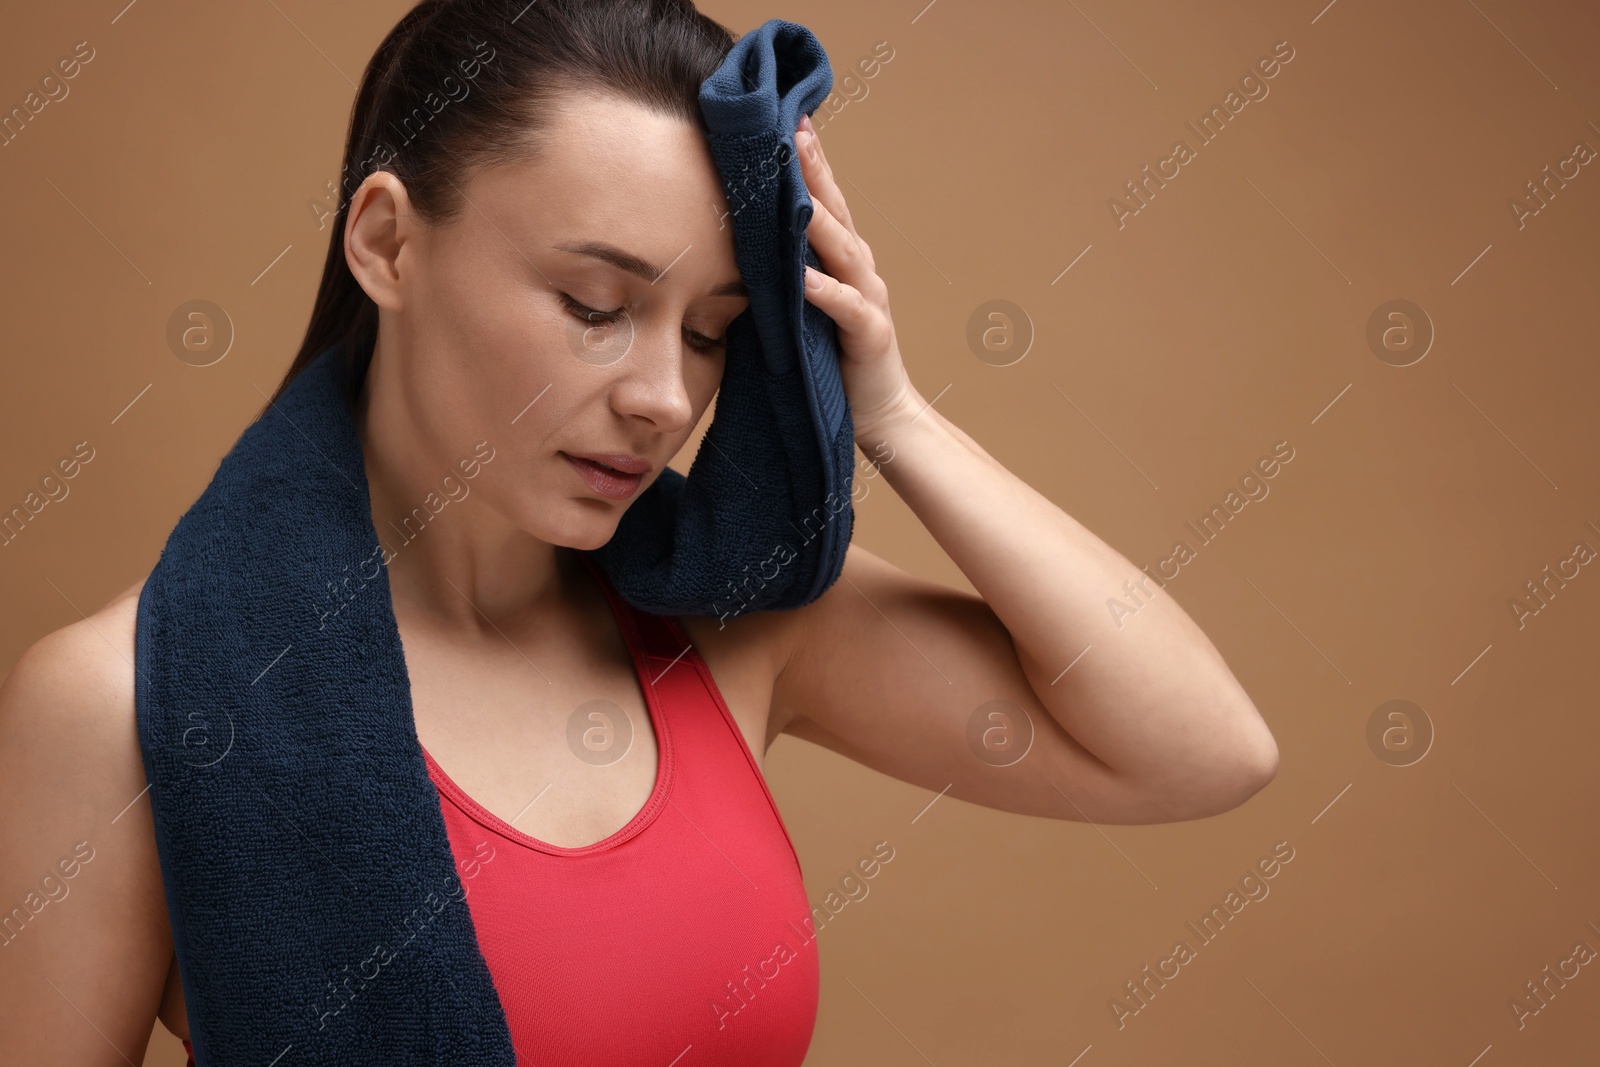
(1122, 709)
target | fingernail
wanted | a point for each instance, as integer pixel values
(813, 279)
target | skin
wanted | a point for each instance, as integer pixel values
(505, 633)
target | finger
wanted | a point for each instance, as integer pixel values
(861, 326)
(843, 253)
(819, 178)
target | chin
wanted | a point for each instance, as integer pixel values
(590, 544)
(587, 533)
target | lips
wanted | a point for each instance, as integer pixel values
(606, 475)
(622, 462)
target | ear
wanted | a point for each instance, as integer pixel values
(379, 223)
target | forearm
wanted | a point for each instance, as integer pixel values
(1147, 692)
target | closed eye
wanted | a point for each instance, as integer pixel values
(697, 341)
(589, 314)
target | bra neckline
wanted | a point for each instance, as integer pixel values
(622, 612)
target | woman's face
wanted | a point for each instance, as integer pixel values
(484, 333)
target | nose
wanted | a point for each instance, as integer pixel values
(650, 383)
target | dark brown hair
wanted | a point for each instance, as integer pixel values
(460, 84)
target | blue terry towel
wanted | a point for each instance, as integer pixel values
(764, 517)
(315, 905)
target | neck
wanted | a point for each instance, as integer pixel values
(451, 554)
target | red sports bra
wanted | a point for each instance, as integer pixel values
(684, 939)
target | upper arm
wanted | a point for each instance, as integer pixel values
(84, 940)
(922, 682)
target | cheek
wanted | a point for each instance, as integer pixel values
(703, 379)
(506, 365)
(448, 410)
(479, 311)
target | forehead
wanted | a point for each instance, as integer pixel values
(612, 170)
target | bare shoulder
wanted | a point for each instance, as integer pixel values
(748, 653)
(745, 654)
(73, 690)
(83, 895)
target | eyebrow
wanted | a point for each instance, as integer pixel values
(634, 265)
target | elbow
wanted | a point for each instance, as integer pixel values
(1260, 772)
(1262, 766)
(1229, 792)
(1252, 767)
(1214, 779)
(1253, 756)
(1255, 769)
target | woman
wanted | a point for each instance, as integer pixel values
(560, 189)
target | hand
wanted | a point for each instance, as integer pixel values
(849, 291)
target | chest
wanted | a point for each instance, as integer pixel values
(552, 732)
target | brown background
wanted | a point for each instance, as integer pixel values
(1225, 317)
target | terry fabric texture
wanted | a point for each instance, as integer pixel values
(764, 517)
(316, 910)
(315, 905)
